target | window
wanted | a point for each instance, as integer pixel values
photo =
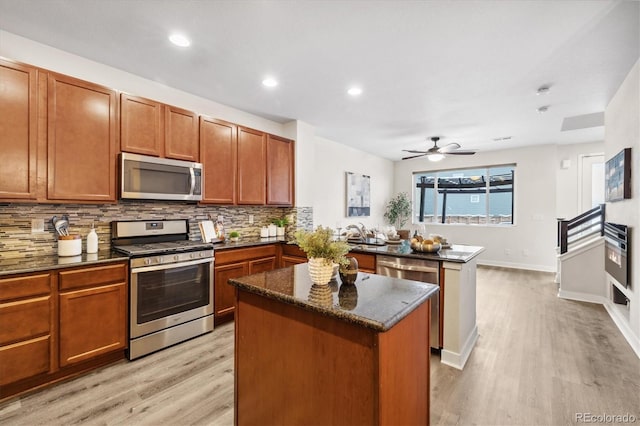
(468, 196)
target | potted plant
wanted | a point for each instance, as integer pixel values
(397, 213)
(322, 251)
(280, 225)
(234, 236)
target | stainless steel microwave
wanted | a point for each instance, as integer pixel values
(153, 178)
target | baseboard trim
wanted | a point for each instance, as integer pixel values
(456, 360)
(537, 268)
(623, 326)
(581, 297)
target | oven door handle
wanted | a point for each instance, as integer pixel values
(170, 265)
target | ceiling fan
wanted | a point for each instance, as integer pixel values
(436, 153)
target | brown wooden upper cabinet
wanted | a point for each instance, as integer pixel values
(152, 128)
(81, 140)
(252, 153)
(218, 154)
(280, 167)
(18, 131)
(181, 134)
(141, 125)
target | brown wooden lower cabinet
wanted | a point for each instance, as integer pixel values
(234, 263)
(60, 323)
(366, 262)
(91, 322)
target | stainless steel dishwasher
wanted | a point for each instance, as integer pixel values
(427, 271)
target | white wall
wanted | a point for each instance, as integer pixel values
(531, 242)
(622, 130)
(332, 160)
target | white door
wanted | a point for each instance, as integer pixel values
(591, 182)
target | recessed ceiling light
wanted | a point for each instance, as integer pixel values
(179, 40)
(354, 91)
(543, 109)
(269, 82)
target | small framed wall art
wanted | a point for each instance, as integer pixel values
(358, 195)
(618, 176)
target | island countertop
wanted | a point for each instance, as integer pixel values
(461, 253)
(374, 301)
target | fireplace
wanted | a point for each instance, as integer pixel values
(616, 252)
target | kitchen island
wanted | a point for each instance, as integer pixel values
(457, 279)
(348, 355)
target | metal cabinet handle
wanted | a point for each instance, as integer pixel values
(412, 268)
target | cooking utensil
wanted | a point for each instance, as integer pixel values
(61, 225)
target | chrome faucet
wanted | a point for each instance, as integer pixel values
(362, 231)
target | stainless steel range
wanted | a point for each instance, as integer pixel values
(171, 283)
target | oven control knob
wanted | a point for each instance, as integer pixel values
(159, 259)
(192, 255)
(176, 257)
(202, 254)
(147, 261)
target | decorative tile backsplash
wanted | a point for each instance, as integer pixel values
(17, 240)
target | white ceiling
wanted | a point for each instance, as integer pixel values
(464, 70)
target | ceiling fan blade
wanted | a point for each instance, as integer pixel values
(413, 151)
(461, 153)
(448, 148)
(414, 156)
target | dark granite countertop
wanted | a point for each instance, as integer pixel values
(374, 301)
(457, 253)
(43, 263)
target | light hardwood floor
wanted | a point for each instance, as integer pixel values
(539, 360)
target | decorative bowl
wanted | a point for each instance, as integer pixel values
(426, 247)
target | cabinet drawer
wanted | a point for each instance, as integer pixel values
(25, 286)
(92, 276)
(24, 319)
(242, 254)
(24, 359)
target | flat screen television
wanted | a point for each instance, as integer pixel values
(618, 176)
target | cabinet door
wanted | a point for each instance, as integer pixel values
(251, 166)
(93, 321)
(181, 134)
(82, 137)
(18, 131)
(280, 167)
(218, 154)
(224, 297)
(292, 260)
(141, 125)
(262, 265)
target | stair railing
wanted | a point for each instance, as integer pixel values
(580, 228)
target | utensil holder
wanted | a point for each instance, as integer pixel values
(69, 245)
